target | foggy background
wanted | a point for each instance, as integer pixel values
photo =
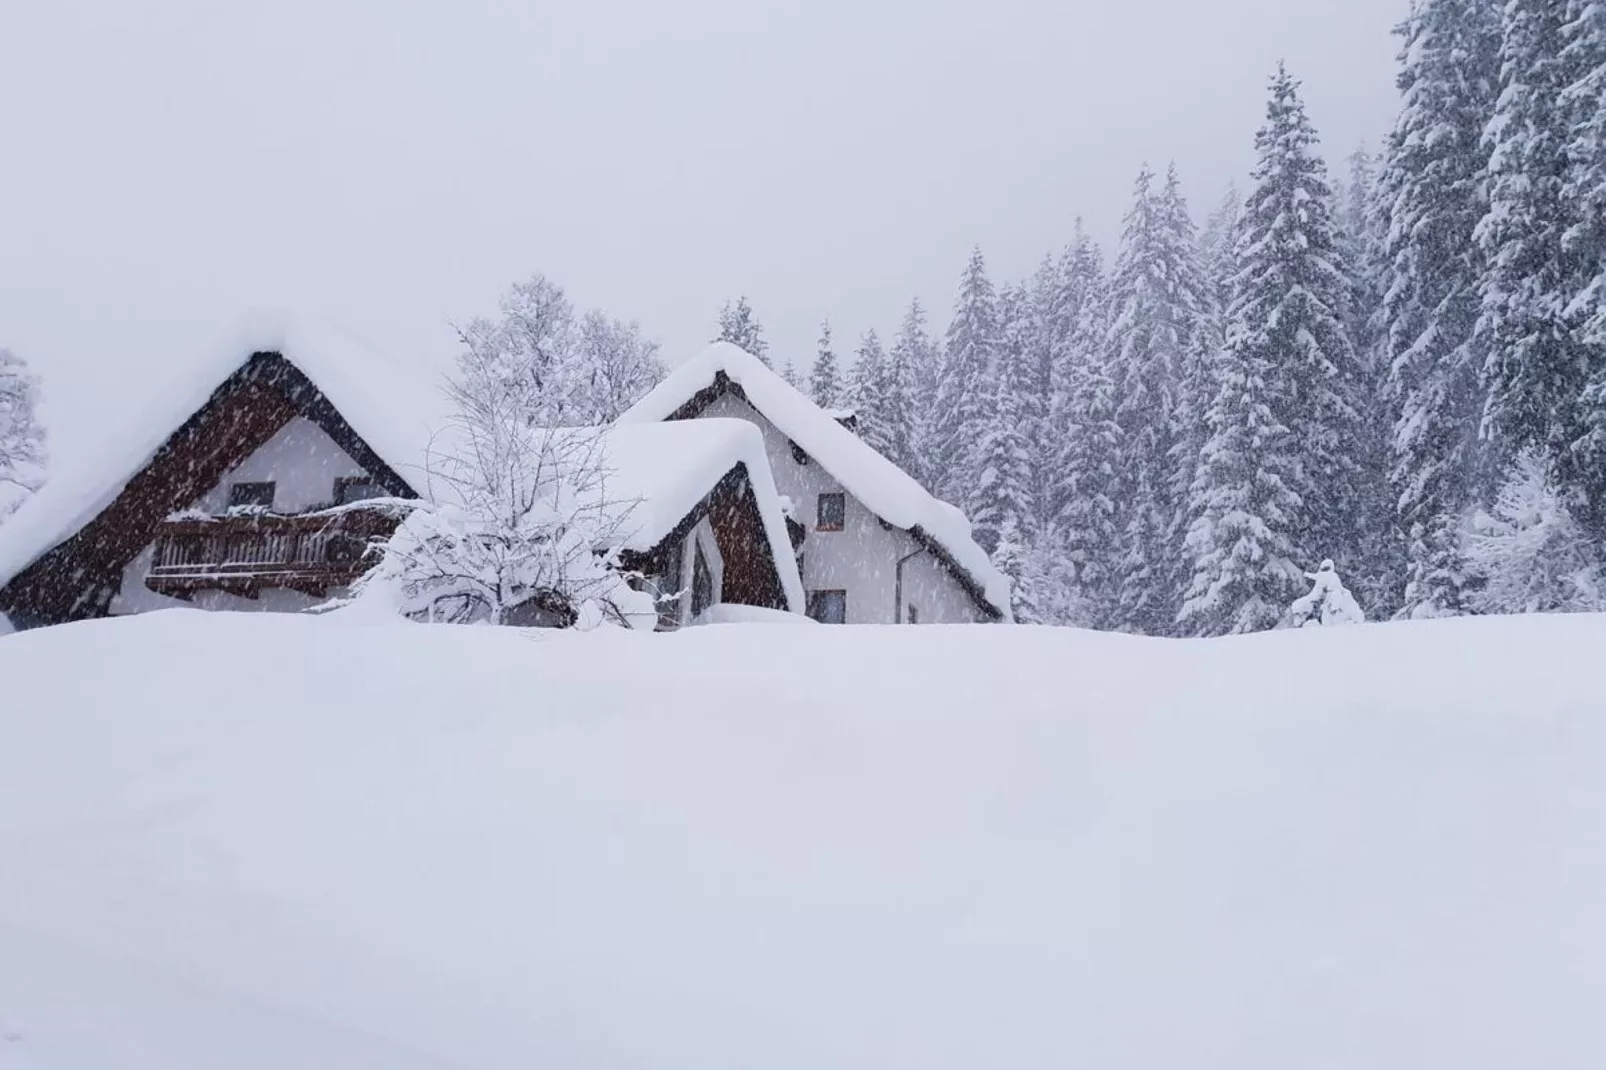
(169, 165)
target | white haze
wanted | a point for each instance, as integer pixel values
(169, 165)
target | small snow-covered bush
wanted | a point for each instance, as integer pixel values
(516, 527)
(1329, 601)
(1528, 552)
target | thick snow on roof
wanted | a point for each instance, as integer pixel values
(394, 409)
(883, 487)
(405, 416)
(664, 470)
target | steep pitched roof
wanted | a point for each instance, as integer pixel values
(387, 417)
(883, 487)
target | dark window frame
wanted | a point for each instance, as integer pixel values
(703, 595)
(840, 502)
(343, 483)
(817, 601)
(248, 494)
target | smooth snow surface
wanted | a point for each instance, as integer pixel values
(884, 488)
(1380, 847)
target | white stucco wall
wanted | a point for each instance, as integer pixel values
(304, 463)
(862, 558)
(301, 459)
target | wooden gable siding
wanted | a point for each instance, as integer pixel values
(77, 579)
(752, 575)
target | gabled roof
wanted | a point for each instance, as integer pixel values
(387, 417)
(884, 488)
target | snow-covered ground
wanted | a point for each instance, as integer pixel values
(266, 842)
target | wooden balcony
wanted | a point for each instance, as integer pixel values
(245, 554)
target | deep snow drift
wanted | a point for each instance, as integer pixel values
(262, 842)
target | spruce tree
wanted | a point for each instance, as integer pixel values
(1196, 389)
(739, 326)
(897, 404)
(961, 408)
(1083, 513)
(1156, 294)
(825, 378)
(1075, 328)
(1583, 102)
(1002, 494)
(1378, 561)
(917, 355)
(1539, 362)
(1276, 479)
(1432, 192)
(867, 382)
(1014, 559)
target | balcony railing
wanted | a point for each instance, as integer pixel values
(246, 553)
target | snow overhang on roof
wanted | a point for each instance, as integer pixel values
(884, 488)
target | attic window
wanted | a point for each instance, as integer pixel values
(833, 513)
(251, 495)
(350, 489)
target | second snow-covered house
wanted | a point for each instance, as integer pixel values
(230, 495)
(879, 548)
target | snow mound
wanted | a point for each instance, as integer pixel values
(883, 487)
(255, 842)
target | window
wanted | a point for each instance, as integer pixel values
(251, 496)
(350, 489)
(833, 512)
(829, 607)
(702, 583)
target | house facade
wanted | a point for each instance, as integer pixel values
(234, 508)
(878, 548)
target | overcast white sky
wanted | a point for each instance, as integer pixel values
(167, 165)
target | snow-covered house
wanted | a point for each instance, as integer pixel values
(220, 498)
(879, 548)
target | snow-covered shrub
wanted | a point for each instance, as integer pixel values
(1329, 601)
(1528, 553)
(22, 437)
(516, 527)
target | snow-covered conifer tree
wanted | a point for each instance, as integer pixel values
(1539, 362)
(1583, 102)
(867, 381)
(961, 408)
(1197, 385)
(1529, 554)
(914, 351)
(1432, 193)
(1002, 494)
(740, 326)
(1275, 473)
(1082, 516)
(1156, 294)
(1013, 558)
(825, 378)
(22, 437)
(897, 406)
